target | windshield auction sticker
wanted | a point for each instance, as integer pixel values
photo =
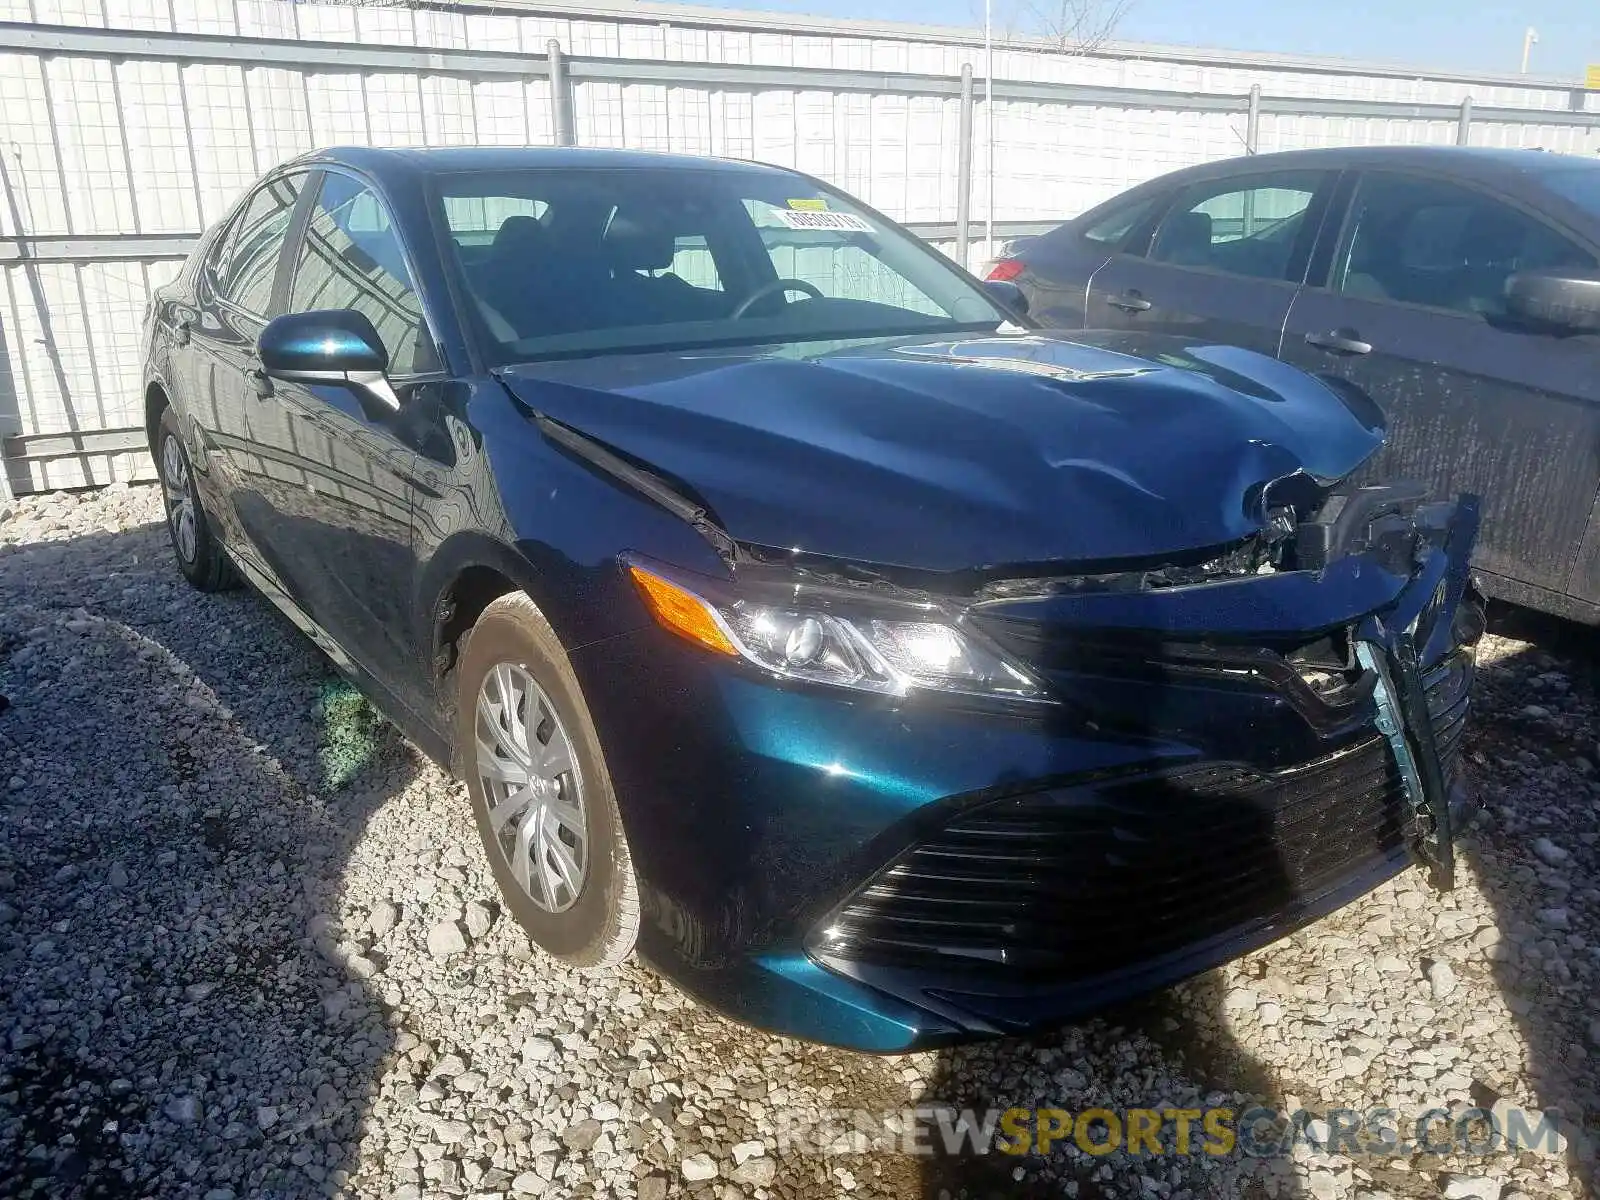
(810, 204)
(842, 222)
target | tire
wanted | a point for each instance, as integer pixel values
(196, 548)
(540, 792)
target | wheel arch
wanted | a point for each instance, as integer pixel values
(156, 401)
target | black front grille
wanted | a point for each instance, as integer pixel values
(1075, 881)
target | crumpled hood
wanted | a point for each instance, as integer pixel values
(955, 455)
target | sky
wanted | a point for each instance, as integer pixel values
(1442, 35)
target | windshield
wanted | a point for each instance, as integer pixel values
(1579, 183)
(560, 263)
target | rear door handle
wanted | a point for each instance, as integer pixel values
(1340, 341)
(1129, 302)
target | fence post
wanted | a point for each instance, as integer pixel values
(964, 168)
(1464, 123)
(560, 94)
(1252, 121)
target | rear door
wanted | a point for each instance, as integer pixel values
(1221, 265)
(233, 300)
(338, 527)
(1413, 312)
(1054, 269)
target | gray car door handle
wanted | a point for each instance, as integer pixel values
(1340, 341)
(1129, 302)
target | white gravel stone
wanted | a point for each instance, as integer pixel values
(1472, 1187)
(698, 1167)
(446, 939)
(1441, 979)
(382, 919)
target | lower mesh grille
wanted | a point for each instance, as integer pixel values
(1082, 880)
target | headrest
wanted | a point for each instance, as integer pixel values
(634, 244)
(519, 234)
(1185, 237)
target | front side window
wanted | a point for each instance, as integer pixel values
(1422, 241)
(351, 258)
(1249, 228)
(246, 258)
(595, 260)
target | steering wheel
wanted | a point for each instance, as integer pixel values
(767, 289)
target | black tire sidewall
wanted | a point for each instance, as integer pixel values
(582, 933)
(209, 570)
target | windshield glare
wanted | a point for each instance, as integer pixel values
(569, 262)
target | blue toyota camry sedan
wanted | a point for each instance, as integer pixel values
(887, 671)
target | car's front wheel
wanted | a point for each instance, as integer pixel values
(540, 789)
(200, 557)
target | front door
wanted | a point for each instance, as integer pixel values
(1222, 265)
(1414, 315)
(340, 530)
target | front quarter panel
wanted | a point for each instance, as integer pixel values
(496, 495)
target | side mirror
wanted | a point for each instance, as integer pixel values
(1560, 300)
(335, 346)
(1007, 295)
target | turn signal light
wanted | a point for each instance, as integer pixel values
(681, 611)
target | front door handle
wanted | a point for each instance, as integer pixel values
(260, 380)
(1129, 301)
(1340, 341)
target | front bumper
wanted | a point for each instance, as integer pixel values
(895, 874)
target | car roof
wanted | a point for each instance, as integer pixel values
(410, 163)
(1469, 162)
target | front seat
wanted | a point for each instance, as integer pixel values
(636, 247)
(1184, 240)
(544, 285)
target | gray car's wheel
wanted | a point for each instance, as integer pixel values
(199, 556)
(540, 789)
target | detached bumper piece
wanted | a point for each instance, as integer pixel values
(1073, 883)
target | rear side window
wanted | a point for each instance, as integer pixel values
(1113, 228)
(246, 259)
(352, 258)
(1255, 227)
(1428, 242)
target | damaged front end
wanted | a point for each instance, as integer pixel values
(1303, 699)
(1386, 571)
(967, 803)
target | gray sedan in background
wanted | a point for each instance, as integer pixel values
(1457, 288)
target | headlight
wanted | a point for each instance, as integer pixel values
(881, 652)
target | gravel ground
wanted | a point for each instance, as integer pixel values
(248, 947)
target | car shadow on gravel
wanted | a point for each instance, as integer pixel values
(179, 1016)
(1535, 851)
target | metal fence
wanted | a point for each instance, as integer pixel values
(118, 145)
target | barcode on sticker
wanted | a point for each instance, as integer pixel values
(823, 220)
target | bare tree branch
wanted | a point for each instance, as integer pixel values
(1071, 26)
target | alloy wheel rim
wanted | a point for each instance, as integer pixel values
(180, 499)
(533, 788)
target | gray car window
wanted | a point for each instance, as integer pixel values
(246, 259)
(351, 258)
(1429, 242)
(1113, 227)
(1241, 227)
